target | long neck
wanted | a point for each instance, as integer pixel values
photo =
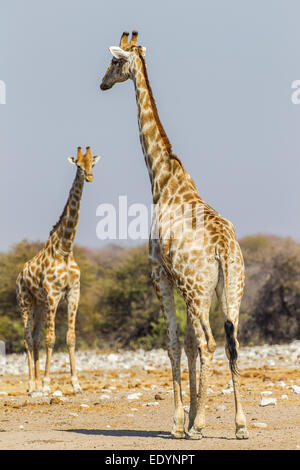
(155, 143)
(65, 229)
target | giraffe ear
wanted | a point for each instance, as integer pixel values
(119, 53)
(143, 51)
(72, 160)
(96, 158)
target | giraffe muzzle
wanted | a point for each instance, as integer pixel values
(103, 87)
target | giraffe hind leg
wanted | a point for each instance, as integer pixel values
(230, 304)
(191, 351)
(51, 307)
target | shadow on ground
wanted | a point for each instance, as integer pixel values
(135, 433)
(121, 433)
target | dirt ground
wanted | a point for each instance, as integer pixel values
(106, 417)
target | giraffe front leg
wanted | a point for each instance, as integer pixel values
(36, 346)
(26, 305)
(73, 300)
(191, 351)
(50, 341)
(29, 347)
(164, 291)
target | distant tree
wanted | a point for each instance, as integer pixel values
(128, 305)
(275, 314)
(11, 263)
(119, 308)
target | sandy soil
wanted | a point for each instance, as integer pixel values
(113, 421)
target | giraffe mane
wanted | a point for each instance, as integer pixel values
(154, 108)
(174, 157)
(54, 228)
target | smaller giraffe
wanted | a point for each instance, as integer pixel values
(48, 277)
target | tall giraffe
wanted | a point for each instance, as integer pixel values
(198, 258)
(51, 275)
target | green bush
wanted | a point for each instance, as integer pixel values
(118, 306)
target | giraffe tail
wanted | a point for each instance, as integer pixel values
(231, 348)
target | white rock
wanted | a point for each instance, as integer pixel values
(226, 391)
(266, 393)
(3, 394)
(259, 425)
(284, 397)
(296, 389)
(221, 408)
(112, 357)
(84, 405)
(134, 396)
(73, 414)
(151, 403)
(271, 363)
(21, 427)
(267, 401)
(37, 394)
(57, 393)
(104, 396)
(281, 384)
(148, 368)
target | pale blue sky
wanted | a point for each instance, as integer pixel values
(221, 73)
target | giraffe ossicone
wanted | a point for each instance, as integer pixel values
(200, 262)
(48, 277)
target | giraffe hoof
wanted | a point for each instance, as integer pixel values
(31, 389)
(242, 433)
(76, 388)
(178, 434)
(194, 434)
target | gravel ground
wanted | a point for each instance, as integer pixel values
(127, 402)
(266, 355)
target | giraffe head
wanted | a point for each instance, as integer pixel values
(123, 57)
(85, 163)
